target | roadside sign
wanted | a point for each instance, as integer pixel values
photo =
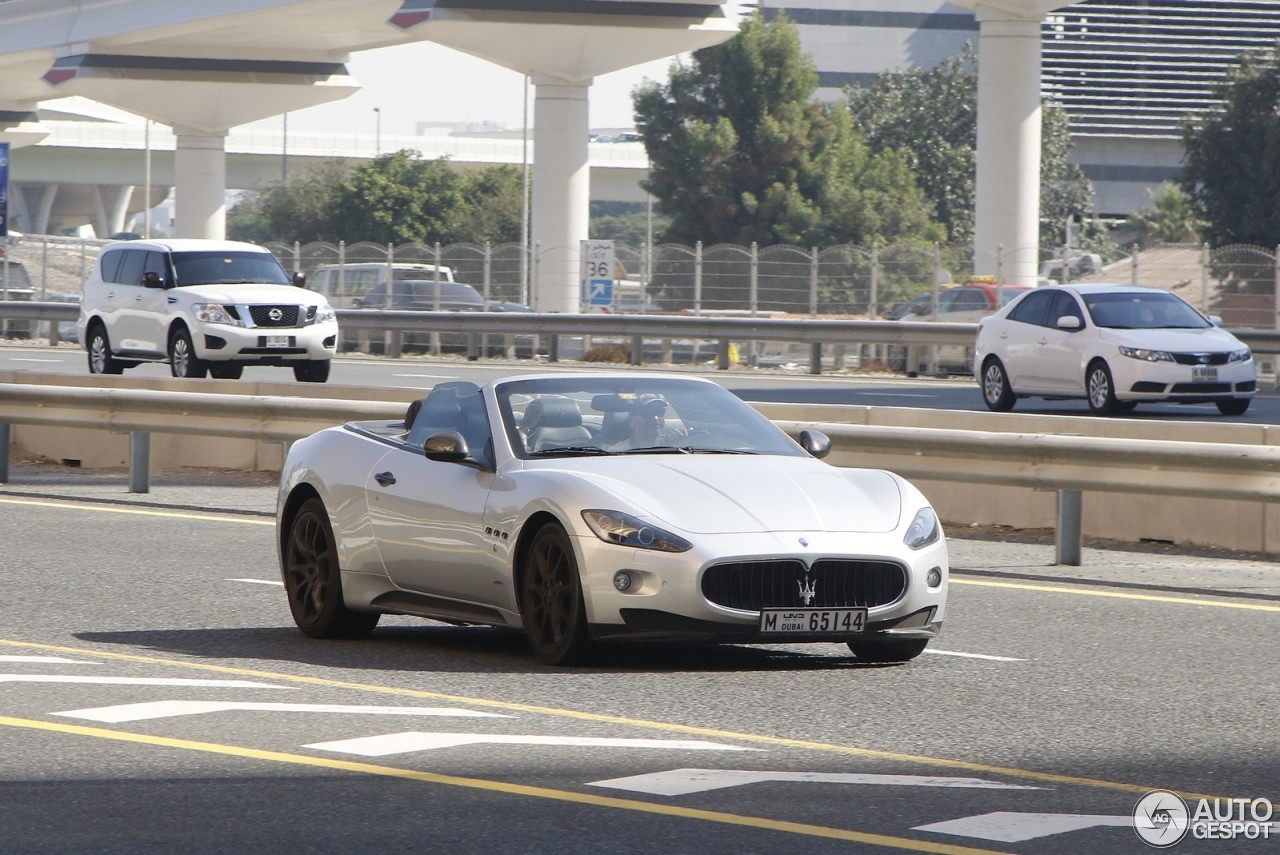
(4, 191)
(597, 272)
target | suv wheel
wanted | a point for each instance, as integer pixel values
(182, 355)
(101, 360)
(311, 371)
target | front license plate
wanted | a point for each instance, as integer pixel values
(813, 620)
(276, 341)
(1204, 373)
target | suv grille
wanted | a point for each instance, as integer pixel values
(285, 316)
(754, 585)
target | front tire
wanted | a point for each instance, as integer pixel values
(311, 371)
(312, 581)
(887, 651)
(555, 618)
(1234, 407)
(226, 372)
(1101, 390)
(996, 392)
(183, 361)
(101, 359)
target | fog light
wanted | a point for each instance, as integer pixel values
(933, 578)
(622, 581)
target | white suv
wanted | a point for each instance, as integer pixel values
(203, 306)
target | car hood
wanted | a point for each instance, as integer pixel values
(1180, 341)
(723, 494)
(290, 295)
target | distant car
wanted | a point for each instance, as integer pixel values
(412, 294)
(957, 304)
(1115, 346)
(605, 506)
(16, 285)
(66, 329)
(204, 307)
(345, 284)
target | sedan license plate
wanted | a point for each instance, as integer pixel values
(1204, 373)
(780, 621)
(276, 341)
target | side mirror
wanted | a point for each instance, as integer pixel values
(817, 443)
(1070, 323)
(447, 446)
(299, 279)
(1216, 320)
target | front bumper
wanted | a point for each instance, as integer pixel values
(225, 343)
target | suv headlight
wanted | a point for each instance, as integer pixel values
(626, 530)
(924, 529)
(1147, 355)
(324, 314)
(213, 313)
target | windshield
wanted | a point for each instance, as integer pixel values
(228, 268)
(571, 416)
(1130, 310)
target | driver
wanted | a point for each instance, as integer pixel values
(647, 425)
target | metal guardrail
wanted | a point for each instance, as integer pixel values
(816, 332)
(1067, 464)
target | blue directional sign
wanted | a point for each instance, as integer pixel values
(597, 272)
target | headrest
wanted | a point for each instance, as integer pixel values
(629, 402)
(552, 411)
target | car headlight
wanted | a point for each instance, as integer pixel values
(1240, 355)
(324, 314)
(626, 530)
(1147, 355)
(212, 313)
(924, 529)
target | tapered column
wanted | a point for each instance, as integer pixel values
(561, 191)
(200, 184)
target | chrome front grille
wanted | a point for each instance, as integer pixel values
(836, 583)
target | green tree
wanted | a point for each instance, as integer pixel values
(301, 210)
(1232, 165)
(1171, 217)
(491, 209)
(740, 151)
(401, 198)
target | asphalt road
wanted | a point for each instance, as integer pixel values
(155, 698)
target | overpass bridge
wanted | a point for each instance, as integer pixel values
(104, 174)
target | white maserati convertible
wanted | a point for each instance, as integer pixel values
(599, 507)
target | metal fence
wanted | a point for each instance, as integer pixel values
(1238, 282)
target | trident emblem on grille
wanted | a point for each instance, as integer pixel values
(808, 589)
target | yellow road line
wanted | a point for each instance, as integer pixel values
(1085, 591)
(137, 511)
(671, 811)
(605, 718)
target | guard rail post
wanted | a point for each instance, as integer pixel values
(4, 452)
(1069, 535)
(815, 358)
(139, 462)
(723, 348)
(637, 350)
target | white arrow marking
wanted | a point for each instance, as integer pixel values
(1013, 827)
(59, 660)
(136, 681)
(680, 782)
(403, 743)
(168, 709)
(259, 581)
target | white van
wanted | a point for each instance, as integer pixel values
(345, 284)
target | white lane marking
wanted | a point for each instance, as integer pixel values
(892, 395)
(430, 376)
(972, 655)
(32, 359)
(166, 709)
(137, 681)
(403, 743)
(680, 782)
(259, 581)
(59, 660)
(1013, 827)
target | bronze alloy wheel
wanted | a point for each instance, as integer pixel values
(551, 599)
(312, 581)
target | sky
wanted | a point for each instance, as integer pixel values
(397, 81)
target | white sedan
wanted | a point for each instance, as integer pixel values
(605, 507)
(1115, 346)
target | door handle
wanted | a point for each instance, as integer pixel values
(385, 479)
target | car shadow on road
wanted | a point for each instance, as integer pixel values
(436, 648)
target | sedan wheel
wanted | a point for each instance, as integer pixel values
(887, 651)
(1102, 392)
(101, 360)
(312, 581)
(555, 618)
(996, 392)
(182, 355)
(1234, 407)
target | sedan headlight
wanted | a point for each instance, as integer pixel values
(924, 529)
(626, 530)
(324, 314)
(1240, 355)
(213, 313)
(1147, 355)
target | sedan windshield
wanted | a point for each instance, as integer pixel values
(1129, 310)
(570, 416)
(228, 268)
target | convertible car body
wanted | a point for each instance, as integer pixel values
(529, 503)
